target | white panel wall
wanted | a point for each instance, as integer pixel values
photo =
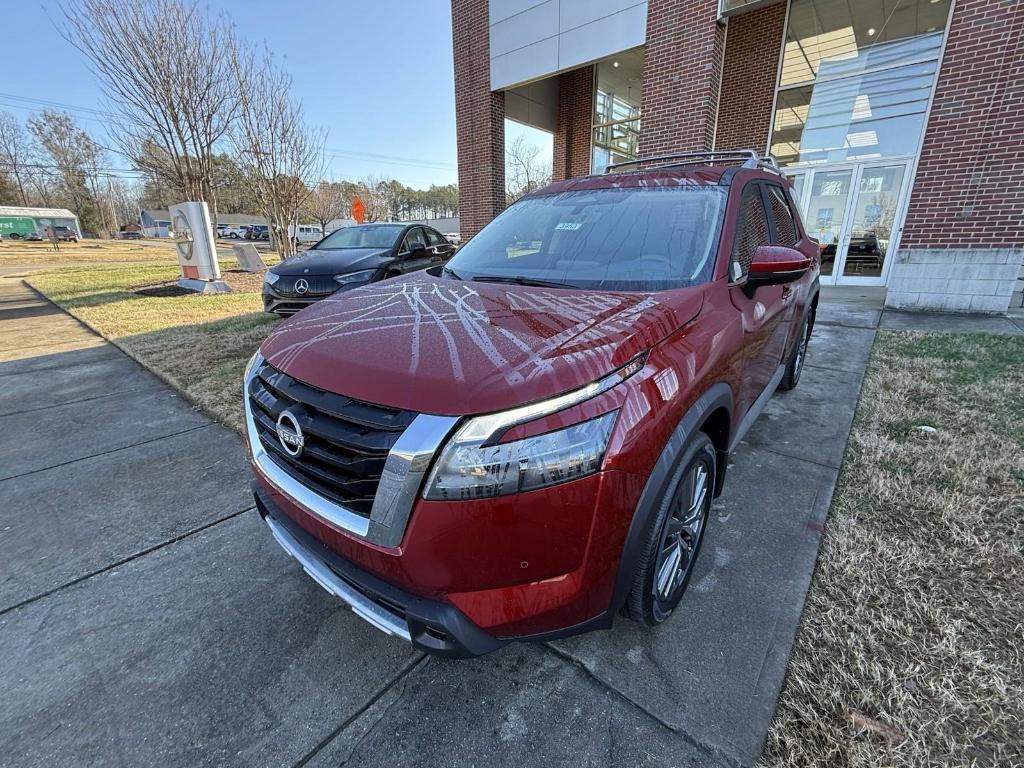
(533, 39)
(954, 279)
(534, 104)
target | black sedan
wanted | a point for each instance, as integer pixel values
(349, 258)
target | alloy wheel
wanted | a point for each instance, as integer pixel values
(681, 536)
(801, 351)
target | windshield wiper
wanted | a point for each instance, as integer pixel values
(449, 272)
(521, 280)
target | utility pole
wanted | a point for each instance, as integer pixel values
(110, 202)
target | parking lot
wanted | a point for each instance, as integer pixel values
(148, 618)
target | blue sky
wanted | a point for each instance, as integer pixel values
(376, 75)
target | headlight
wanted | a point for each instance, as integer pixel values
(470, 470)
(474, 465)
(363, 276)
(271, 277)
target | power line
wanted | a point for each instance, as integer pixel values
(103, 117)
(56, 104)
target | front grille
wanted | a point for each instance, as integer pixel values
(319, 285)
(346, 441)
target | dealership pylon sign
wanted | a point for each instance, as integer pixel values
(197, 248)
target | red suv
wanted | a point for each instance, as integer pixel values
(526, 442)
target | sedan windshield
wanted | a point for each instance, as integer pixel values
(365, 236)
(640, 239)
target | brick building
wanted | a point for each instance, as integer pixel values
(899, 122)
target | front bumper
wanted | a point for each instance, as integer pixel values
(287, 305)
(430, 625)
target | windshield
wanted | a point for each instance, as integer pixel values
(367, 236)
(645, 239)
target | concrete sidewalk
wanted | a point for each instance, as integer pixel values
(147, 617)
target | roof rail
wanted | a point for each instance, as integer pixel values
(748, 157)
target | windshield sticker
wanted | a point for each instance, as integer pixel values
(570, 225)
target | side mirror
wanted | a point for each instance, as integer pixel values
(775, 265)
(416, 249)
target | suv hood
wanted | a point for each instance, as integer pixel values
(459, 348)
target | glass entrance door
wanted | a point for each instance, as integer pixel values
(853, 211)
(871, 226)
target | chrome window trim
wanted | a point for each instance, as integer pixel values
(404, 469)
(386, 621)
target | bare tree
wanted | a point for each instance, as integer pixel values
(328, 200)
(165, 69)
(279, 154)
(123, 198)
(15, 152)
(525, 171)
(76, 159)
(375, 194)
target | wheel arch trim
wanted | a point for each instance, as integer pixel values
(719, 395)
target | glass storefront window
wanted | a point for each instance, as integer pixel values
(616, 131)
(856, 87)
(880, 114)
(835, 38)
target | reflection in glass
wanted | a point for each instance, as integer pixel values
(874, 210)
(868, 116)
(616, 132)
(837, 38)
(856, 78)
(826, 211)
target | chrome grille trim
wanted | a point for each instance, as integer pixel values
(404, 469)
(362, 606)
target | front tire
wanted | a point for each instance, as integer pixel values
(797, 357)
(675, 536)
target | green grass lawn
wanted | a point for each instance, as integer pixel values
(915, 618)
(197, 343)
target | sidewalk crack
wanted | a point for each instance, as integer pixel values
(404, 672)
(709, 749)
(125, 560)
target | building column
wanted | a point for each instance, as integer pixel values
(479, 120)
(682, 74)
(753, 44)
(963, 238)
(571, 149)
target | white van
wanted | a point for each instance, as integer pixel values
(306, 233)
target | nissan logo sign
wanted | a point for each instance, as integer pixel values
(289, 434)
(301, 285)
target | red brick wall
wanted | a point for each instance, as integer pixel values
(753, 42)
(479, 119)
(682, 71)
(571, 152)
(968, 192)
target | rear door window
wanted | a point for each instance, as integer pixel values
(751, 231)
(785, 226)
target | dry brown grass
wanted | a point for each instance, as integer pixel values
(915, 618)
(197, 343)
(86, 251)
